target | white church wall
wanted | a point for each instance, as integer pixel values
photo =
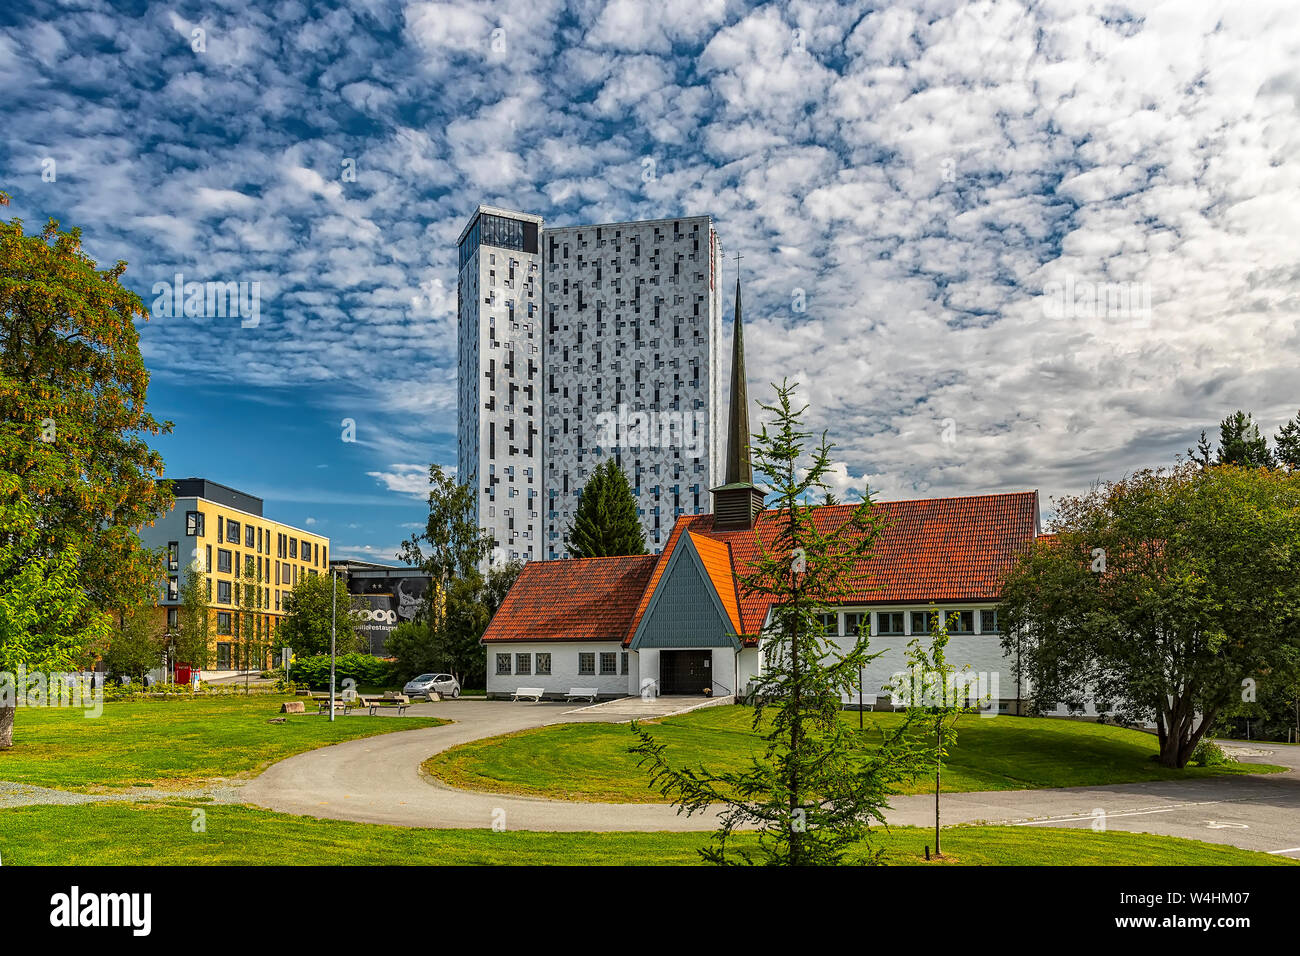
(647, 672)
(564, 668)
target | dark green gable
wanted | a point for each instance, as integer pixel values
(685, 610)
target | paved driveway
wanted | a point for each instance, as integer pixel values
(377, 780)
(1255, 812)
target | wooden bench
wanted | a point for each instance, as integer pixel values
(340, 703)
(524, 692)
(583, 693)
(400, 701)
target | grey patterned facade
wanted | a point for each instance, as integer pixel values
(622, 347)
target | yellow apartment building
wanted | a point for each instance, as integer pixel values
(249, 565)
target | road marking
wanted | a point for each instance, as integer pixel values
(1215, 825)
(1294, 849)
(1118, 813)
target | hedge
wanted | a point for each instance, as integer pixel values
(361, 668)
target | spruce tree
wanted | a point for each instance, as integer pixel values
(817, 786)
(1240, 442)
(606, 522)
(1288, 445)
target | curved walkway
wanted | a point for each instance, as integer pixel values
(377, 780)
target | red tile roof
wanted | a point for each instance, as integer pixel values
(931, 549)
(585, 599)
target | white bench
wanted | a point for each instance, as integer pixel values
(583, 693)
(866, 701)
(524, 692)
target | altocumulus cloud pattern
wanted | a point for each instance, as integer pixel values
(1003, 245)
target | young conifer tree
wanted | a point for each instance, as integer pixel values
(817, 787)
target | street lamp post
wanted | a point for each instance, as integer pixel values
(334, 600)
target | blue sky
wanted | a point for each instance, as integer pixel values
(913, 186)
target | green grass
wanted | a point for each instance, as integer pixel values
(172, 742)
(591, 762)
(163, 834)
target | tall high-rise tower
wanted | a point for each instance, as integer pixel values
(499, 371)
(633, 328)
(624, 323)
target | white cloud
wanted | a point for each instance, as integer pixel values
(410, 480)
(921, 173)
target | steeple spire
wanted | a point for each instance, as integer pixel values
(738, 466)
(737, 503)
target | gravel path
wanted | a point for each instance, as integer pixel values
(26, 795)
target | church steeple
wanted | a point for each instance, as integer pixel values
(738, 467)
(738, 502)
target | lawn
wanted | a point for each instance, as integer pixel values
(164, 834)
(172, 742)
(591, 762)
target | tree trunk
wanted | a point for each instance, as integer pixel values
(938, 769)
(1179, 742)
(7, 727)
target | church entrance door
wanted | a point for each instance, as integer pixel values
(685, 672)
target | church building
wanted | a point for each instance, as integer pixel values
(677, 623)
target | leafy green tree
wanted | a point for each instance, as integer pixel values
(1167, 592)
(305, 626)
(192, 640)
(935, 690)
(137, 645)
(606, 523)
(451, 643)
(451, 550)
(455, 542)
(248, 617)
(47, 621)
(79, 476)
(414, 647)
(73, 420)
(1269, 710)
(501, 578)
(1287, 443)
(817, 786)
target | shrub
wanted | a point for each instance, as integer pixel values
(361, 668)
(1210, 754)
(136, 690)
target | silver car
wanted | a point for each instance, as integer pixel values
(422, 686)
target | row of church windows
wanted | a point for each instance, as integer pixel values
(892, 622)
(611, 663)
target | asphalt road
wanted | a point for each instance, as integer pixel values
(377, 780)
